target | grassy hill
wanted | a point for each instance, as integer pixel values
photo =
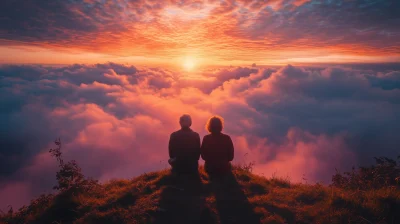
(159, 197)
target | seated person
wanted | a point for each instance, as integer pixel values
(217, 148)
(184, 148)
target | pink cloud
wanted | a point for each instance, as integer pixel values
(314, 157)
(15, 194)
(116, 122)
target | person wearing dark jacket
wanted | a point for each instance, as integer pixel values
(217, 148)
(184, 148)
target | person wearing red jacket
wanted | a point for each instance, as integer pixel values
(217, 148)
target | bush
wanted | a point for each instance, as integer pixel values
(70, 174)
(70, 182)
(246, 166)
(385, 173)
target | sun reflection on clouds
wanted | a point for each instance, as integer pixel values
(223, 31)
(189, 64)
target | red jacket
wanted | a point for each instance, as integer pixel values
(217, 151)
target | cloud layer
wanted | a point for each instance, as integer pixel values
(115, 120)
(268, 31)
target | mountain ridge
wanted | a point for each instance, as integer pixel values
(160, 197)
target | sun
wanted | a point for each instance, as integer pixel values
(189, 64)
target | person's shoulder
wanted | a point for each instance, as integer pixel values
(207, 136)
(226, 136)
(175, 133)
(195, 134)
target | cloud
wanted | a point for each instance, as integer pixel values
(15, 194)
(268, 31)
(301, 155)
(386, 81)
(115, 119)
(326, 23)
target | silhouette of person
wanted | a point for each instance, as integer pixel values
(217, 148)
(184, 148)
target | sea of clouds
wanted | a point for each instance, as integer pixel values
(115, 120)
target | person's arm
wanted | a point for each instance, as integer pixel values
(197, 150)
(230, 149)
(171, 147)
(203, 149)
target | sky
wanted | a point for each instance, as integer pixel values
(214, 32)
(305, 87)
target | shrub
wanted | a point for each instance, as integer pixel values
(246, 166)
(70, 174)
(385, 173)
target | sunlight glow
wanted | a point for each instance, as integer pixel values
(189, 64)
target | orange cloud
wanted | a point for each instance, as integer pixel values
(212, 32)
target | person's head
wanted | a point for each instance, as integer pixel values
(215, 124)
(185, 121)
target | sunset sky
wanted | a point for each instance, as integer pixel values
(305, 87)
(214, 32)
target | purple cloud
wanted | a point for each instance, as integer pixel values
(115, 120)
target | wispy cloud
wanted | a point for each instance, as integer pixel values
(215, 31)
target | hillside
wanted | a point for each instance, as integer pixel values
(158, 197)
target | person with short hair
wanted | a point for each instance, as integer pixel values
(217, 148)
(184, 148)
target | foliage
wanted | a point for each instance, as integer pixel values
(70, 174)
(246, 166)
(70, 182)
(386, 173)
(158, 196)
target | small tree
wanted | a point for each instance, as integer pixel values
(70, 174)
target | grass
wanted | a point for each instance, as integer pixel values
(158, 197)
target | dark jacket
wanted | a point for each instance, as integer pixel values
(217, 151)
(184, 145)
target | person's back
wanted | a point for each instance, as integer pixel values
(184, 148)
(217, 148)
